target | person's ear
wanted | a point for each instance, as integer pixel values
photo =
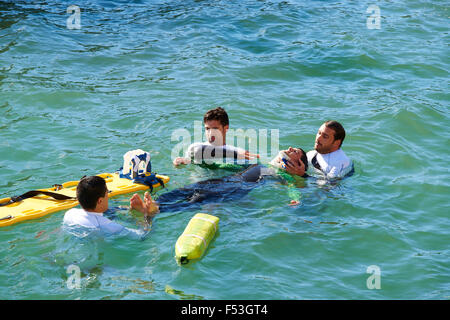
(337, 143)
(100, 201)
(225, 128)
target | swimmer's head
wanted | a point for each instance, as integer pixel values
(293, 155)
(216, 126)
(329, 137)
(218, 114)
(92, 194)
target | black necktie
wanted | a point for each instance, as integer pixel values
(315, 163)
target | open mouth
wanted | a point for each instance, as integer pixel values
(212, 139)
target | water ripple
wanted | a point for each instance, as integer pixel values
(74, 101)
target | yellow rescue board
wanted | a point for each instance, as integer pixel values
(41, 205)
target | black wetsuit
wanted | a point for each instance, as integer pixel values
(212, 190)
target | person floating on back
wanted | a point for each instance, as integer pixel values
(231, 187)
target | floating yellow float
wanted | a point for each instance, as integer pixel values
(195, 239)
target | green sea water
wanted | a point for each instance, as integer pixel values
(73, 101)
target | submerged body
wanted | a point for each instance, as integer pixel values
(221, 189)
(331, 165)
(81, 223)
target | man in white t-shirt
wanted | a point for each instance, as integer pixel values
(327, 158)
(92, 194)
(216, 126)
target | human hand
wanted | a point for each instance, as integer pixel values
(136, 203)
(296, 167)
(244, 154)
(250, 156)
(179, 161)
(150, 205)
(147, 206)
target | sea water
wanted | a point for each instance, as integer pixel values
(80, 87)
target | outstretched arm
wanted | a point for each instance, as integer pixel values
(294, 194)
(294, 182)
(180, 160)
(245, 154)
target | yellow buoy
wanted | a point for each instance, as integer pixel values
(196, 237)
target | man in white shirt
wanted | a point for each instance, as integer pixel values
(216, 126)
(327, 158)
(92, 194)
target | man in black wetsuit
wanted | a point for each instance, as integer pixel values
(221, 189)
(216, 124)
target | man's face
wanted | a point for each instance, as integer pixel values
(325, 142)
(215, 132)
(294, 154)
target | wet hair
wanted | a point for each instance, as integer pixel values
(89, 190)
(339, 132)
(218, 114)
(304, 158)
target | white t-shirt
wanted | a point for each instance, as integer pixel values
(81, 223)
(333, 165)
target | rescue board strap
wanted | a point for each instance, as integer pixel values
(33, 193)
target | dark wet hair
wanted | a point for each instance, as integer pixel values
(89, 190)
(218, 114)
(339, 132)
(304, 159)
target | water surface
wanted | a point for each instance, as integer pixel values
(72, 102)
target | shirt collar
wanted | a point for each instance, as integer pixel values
(95, 213)
(330, 153)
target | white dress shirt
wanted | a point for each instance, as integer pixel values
(82, 223)
(333, 165)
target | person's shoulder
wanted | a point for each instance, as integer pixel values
(194, 144)
(193, 149)
(341, 159)
(342, 155)
(73, 215)
(74, 212)
(310, 154)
